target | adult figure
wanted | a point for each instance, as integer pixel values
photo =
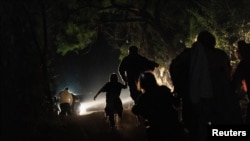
(241, 75)
(201, 77)
(156, 106)
(113, 102)
(65, 99)
(130, 68)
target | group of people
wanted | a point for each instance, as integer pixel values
(203, 79)
(129, 70)
(154, 104)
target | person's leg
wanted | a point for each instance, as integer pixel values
(134, 93)
(112, 120)
(63, 109)
(119, 108)
(118, 118)
(69, 109)
(120, 115)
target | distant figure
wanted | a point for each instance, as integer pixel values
(201, 76)
(65, 99)
(155, 105)
(241, 75)
(113, 102)
(130, 68)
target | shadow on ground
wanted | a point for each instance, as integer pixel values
(92, 127)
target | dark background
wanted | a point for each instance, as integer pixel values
(87, 71)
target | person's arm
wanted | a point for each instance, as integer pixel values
(97, 94)
(153, 64)
(124, 86)
(122, 71)
(148, 64)
(101, 90)
(124, 77)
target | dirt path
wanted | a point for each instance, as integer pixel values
(92, 127)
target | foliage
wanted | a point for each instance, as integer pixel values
(147, 24)
(33, 31)
(160, 28)
(227, 20)
(75, 38)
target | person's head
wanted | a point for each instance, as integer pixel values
(206, 39)
(147, 81)
(133, 50)
(113, 77)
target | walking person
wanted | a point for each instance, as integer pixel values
(113, 102)
(201, 76)
(156, 106)
(66, 100)
(130, 68)
(241, 76)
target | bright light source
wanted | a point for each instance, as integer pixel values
(89, 107)
(86, 105)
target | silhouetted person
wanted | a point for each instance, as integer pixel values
(155, 105)
(130, 68)
(113, 102)
(65, 99)
(201, 76)
(241, 75)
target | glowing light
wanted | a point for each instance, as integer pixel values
(85, 105)
(162, 70)
(89, 107)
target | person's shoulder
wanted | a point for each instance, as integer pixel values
(181, 59)
(183, 54)
(108, 83)
(126, 59)
(219, 52)
(120, 83)
(145, 58)
(164, 89)
(185, 50)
